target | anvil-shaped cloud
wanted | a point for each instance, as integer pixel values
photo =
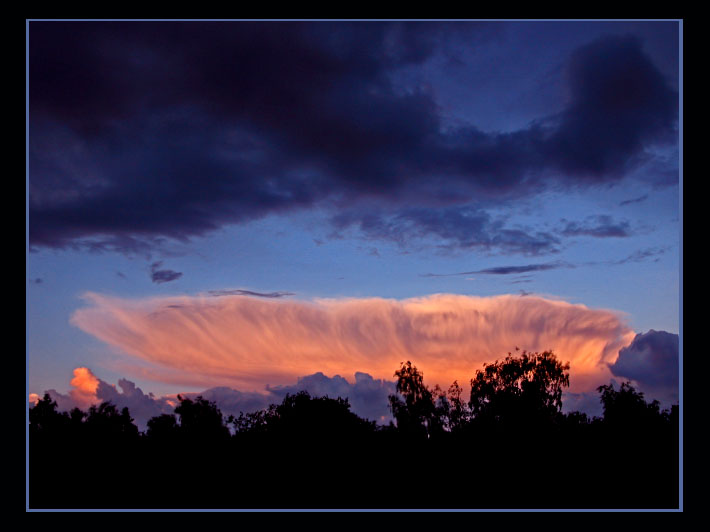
(251, 342)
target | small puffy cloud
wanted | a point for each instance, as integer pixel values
(85, 385)
(162, 276)
(651, 361)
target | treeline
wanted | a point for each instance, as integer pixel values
(507, 446)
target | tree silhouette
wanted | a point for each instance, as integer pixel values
(416, 414)
(106, 421)
(626, 408)
(200, 419)
(512, 434)
(519, 390)
(163, 427)
(45, 419)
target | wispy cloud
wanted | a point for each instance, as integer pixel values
(601, 226)
(643, 255)
(635, 200)
(249, 342)
(221, 293)
(508, 270)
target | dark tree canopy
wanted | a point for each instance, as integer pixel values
(627, 408)
(414, 415)
(525, 389)
(200, 419)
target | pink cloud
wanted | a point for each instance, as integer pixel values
(85, 384)
(251, 342)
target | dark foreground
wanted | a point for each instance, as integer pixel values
(509, 447)
(583, 466)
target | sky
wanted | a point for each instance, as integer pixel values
(242, 209)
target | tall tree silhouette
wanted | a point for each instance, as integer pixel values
(519, 390)
(416, 414)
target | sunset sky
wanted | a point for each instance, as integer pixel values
(229, 207)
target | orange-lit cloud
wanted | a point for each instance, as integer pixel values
(251, 342)
(85, 384)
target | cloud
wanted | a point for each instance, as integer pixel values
(88, 390)
(619, 102)
(368, 397)
(230, 401)
(249, 119)
(634, 200)
(219, 293)
(247, 342)
(453, 228)
(162, 276)
(601, 226)
(643, 254)
(652, 361)
(508, 270)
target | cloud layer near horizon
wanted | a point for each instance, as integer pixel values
(251, 342)
(367, 396)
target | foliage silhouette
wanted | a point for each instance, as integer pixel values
(627, 409)
(201, 419)
(501, 449)
(416, 414)
(519, 390)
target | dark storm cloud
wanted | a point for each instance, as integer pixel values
(597, 226)
(162, 276)
(619, 103)
(218, 293)
(150, 130)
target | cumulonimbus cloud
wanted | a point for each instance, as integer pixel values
(250, 342)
